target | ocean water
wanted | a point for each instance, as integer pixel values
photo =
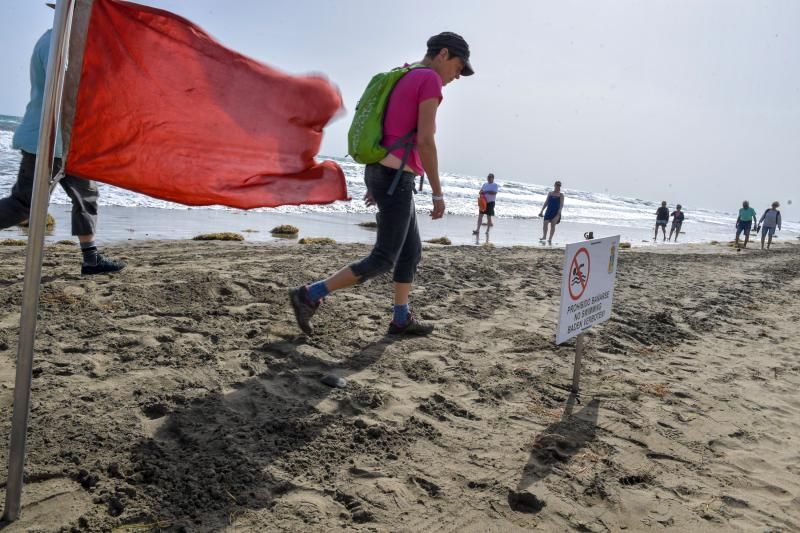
(516, 200)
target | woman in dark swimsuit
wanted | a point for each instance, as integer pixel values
(552, 215)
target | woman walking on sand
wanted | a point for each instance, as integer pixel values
(551, 208)
(677, 222)
(770, 220)
(412, 108)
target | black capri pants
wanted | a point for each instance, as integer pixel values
(397, 245)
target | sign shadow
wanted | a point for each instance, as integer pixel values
(560, 441)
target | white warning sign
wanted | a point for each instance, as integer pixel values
(587, 286)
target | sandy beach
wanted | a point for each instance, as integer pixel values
(180, 395)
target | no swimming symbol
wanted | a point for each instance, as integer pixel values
(579, 274)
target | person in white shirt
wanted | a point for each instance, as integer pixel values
(770, 219)
(489, 192)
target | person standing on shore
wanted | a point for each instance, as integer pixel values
(744, 222)
(553, 203)
(489, 192)
(15, 208)
(412, 106)
(770, 220)
(677, 222)
(662, 217)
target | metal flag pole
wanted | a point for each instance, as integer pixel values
(56, 66)
(576, 369)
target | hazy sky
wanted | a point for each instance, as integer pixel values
(693, 101)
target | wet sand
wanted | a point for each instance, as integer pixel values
(181, 395)
(123, 224)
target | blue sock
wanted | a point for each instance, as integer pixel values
(400, 314)
(317, 291)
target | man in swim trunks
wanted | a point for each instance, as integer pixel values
(747, 215)
(551, 208)
(489, 191)
(677, 222)
(662, 217)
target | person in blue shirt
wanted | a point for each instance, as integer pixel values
(15, 208)
(744, 222)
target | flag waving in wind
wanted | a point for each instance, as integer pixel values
(163, 109)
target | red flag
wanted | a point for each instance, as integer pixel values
(165, 110)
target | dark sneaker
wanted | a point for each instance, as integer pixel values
(412, 327)
(304, 308)
(103, 266)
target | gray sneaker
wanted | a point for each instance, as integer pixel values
(103, 266)
(412, 327)
(304, 309)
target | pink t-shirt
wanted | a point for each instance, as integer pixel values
(417, 86)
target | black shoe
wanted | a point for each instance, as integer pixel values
(412, 327)
(304, 309)
(102, 266)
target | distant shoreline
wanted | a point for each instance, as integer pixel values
(122, 224)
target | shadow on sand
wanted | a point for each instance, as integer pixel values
(227, 452)
(556, 445)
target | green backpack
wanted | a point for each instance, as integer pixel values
(366, 131)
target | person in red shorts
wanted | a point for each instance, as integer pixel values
(489, 192)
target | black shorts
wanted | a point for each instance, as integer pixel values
(489, 211)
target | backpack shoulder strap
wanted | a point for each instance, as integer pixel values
(404, 142)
